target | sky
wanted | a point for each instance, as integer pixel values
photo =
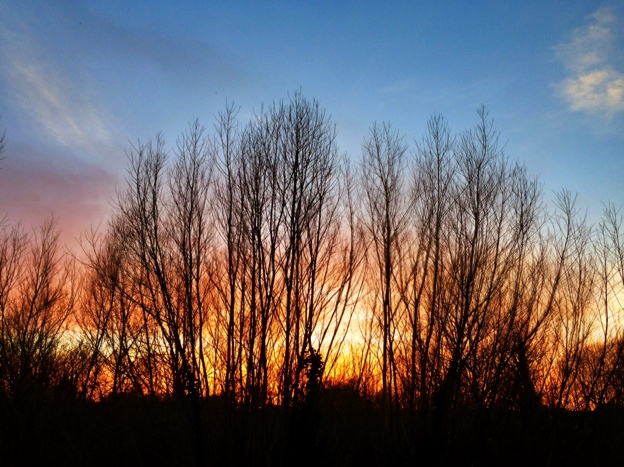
(82, 81)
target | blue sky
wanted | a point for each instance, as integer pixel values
(80, 81)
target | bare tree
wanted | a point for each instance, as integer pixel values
(37, 295)
(386, 208)
(2, 149)
(602, 362)
(112, 326)
(433, 181)
(230, 223)
(2, 144)
(163, 219)
(574, 297)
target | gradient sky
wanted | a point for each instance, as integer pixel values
(80, 81)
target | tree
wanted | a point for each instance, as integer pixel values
(2, 149)
(37, 295)
(385, 209)
(163, 225)
(602, 362)
(2, 143)
(111, 324)
(573, 296)
(423, 271)
(308, 188)
(162, 218)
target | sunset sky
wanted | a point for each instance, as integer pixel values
(81, 81)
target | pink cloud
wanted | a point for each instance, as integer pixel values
(32, 188)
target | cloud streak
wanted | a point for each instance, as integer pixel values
(70, 120)
(594, 83)
(58, 99)
(62, 112)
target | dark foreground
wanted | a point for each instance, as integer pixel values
(343, 429)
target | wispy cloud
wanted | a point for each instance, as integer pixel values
(594, 84)
(67, 117)
(399, 87)
(61, 105)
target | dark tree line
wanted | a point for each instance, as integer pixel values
(256, 264)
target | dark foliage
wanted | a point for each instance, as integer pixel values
(131, 430)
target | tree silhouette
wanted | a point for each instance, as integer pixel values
(253, 297)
